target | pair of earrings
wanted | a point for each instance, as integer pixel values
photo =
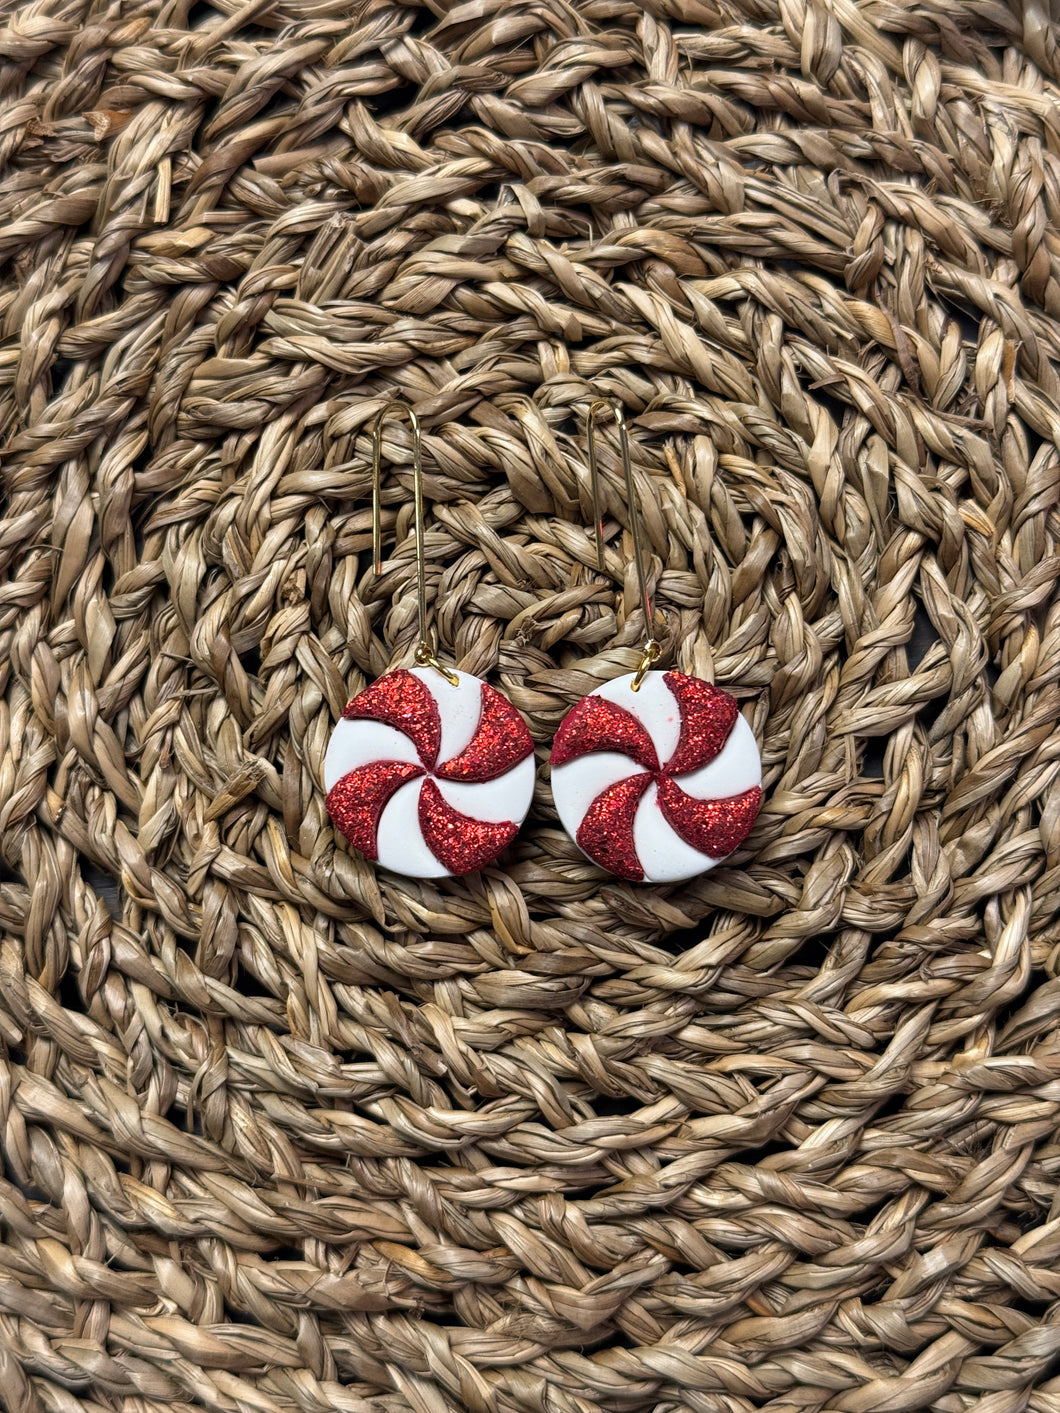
(430, 772)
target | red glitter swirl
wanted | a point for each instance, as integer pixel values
(707, 717)
(606, 831)
(501, 740)
(596, 724)
(714, 827)
(459, 843)
(357, 801)
(401, 700)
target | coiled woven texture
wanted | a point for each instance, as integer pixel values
(283, 1134)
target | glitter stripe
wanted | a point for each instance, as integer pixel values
(596, 724)
(401, 700)
(606, 831)
(357, 801)
(461, 844)
(714, 827)
(501, 740)
(707, 717)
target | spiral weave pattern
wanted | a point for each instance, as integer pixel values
(284, 1134)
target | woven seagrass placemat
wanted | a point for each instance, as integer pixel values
(284, 1134)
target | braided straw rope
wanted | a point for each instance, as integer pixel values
(282, 1134)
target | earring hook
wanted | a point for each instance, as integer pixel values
(652, 649)
(425, 654)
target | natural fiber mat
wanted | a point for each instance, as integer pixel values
(282, 1133)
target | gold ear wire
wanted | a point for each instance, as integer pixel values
(425, 654)
(652, 649)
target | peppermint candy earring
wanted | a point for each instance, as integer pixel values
(656, 775)
(430, 771)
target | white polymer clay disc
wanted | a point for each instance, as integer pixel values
(426, 778)
(660, 784)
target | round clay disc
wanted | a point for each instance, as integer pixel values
(429, 779)
(660, 784)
